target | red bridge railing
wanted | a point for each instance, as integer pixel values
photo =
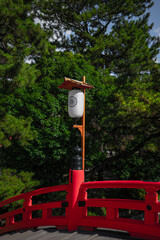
(77, 203)
(148, 228)
(8, 220)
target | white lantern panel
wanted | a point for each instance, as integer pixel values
(76, 103)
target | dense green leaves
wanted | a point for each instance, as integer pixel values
(103, 32)
(130, 130)
(20, 37)
(21, 40)
(49, 154)
(13, 183)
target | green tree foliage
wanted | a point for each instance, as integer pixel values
(13, 183)
(49, 154)
(116, 36)
(9, 128)
(20, 40)
(127, 123)
(104, 32)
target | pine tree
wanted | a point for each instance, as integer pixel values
(115, 37)
(104, 32)
(21, 40)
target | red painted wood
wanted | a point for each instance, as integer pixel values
(76, 178)
(76, 214)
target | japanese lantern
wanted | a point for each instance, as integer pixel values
(76, 103)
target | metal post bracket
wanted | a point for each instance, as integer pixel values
(80, 127)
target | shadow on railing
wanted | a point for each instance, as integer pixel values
(76, 208)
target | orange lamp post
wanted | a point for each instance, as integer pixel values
(71, 84)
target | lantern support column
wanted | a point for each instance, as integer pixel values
(70, 84)
(82, 130)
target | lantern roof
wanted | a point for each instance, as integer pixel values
(69, 84)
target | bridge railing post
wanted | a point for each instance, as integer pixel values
(151, 198)
(27, 214)
(76, 178)
(9, 221)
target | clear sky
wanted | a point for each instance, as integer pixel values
(155, 18)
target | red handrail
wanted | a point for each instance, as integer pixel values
(149, 228)
(121, 184)
(76, 207)
(27, 220)
(34, 193)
